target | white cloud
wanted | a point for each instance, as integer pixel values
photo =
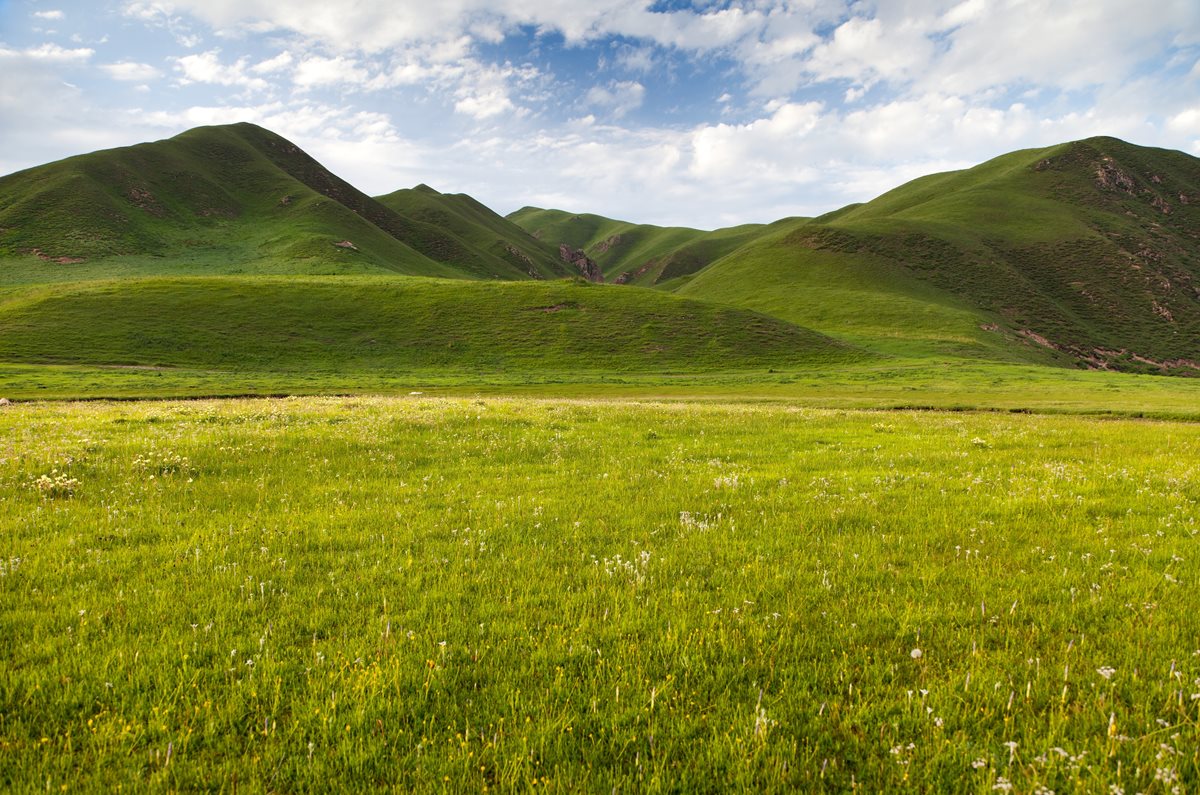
(375, 25)
(485, 92)
(50, 53)
(1186, 122)
(320, 71)
(207, 67)
(636, 59)
(131, 71)
(277, 64)
(763, 149)
(964, 12)
(1064, 45)
(484, 104)
(49, 15)
(618, 97)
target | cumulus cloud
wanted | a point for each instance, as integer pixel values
(207, 67)
(49, 15)
(1065, 45)
(131, 71)
(320, 71)
(485, 92)
(764, 148)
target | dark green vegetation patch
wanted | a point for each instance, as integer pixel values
(325, 324)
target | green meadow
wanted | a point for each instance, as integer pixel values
(465, 594)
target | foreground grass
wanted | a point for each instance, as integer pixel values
(467, 594)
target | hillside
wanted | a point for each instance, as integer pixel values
(630, 253)
(476, 228)
(229, 199)
(301, 325)
(1087, 252)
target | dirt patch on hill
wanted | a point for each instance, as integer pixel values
(44, 257)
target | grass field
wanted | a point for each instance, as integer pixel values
(459, 594)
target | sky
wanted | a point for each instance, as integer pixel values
(706, 113)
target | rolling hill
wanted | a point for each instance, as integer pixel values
(477, 229)
(228, 199)
(629, 253)
(1087, 252)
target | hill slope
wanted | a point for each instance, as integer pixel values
(486, 234)
(332, 324)
(1086, 252)
(234, 198)
(630, 253)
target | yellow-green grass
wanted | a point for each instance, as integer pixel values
(904, 386)
(450, 595)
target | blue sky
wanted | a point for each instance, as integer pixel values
(704, 113)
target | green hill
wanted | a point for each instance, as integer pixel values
(310, 325)
(1087, 252)
(629, 253)
(230, 199)
(488, 236)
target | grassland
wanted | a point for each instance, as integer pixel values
(459, 594)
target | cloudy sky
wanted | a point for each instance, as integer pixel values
(704, 113)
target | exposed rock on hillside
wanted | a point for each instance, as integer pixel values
(586, 265)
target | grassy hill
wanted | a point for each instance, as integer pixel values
(1087, 252)
(485, 234)
(347, 326)
(630, 253)
(229, 199)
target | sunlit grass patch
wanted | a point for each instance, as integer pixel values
(415, 593)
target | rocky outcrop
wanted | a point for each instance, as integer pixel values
(586, 265)
(1110, 177)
